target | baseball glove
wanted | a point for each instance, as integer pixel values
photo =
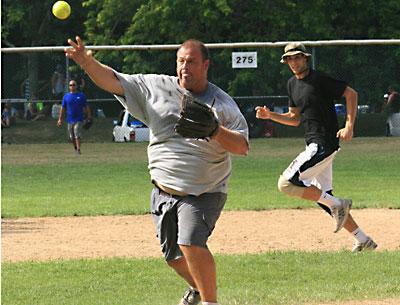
(87, 124)
(197, 120)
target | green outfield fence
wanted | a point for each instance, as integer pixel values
(369, 66)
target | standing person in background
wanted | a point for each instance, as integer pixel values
(190, 176)
(81, 83)
(391, 106)
(58, 83)
(392, 103)
(311, 102)
(75, 106)
(25, 91)
(28, 94)
(80, 79)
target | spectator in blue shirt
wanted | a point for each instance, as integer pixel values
(75, 106)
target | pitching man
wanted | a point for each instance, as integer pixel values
(311, 102)
(189, 154)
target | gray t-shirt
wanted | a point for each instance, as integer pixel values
(187, 165)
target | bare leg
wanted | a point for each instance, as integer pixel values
(311, 193)
(181, 267)
(201, 266)
(78, 143)
(73, 141)
(350, 225)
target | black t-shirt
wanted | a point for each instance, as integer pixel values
(315, 95)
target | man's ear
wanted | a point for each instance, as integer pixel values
(206, 64)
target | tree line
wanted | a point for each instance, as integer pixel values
(115, 22)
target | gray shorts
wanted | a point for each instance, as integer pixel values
(75, 130)
(187, 220)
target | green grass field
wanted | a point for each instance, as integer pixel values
(109, 179)
(112, 178)
(284, 278)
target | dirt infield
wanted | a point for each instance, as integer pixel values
(236, 232)
(50, 238)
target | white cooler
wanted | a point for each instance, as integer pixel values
(142, 134)
(394, 124)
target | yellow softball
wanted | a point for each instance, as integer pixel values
(61, 9)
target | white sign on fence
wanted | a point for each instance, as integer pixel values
(244, 60)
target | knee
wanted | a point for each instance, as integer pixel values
(176, 262)
(285, 186)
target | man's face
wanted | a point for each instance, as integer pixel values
(191, 68)
(72, 86)
(297, 63)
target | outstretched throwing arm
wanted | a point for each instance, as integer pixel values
(102, 75)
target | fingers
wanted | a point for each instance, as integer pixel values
(77, 51)
(78, 45)
(68, 50)
(260, 108)
(72, 43)
(348, 137)
(79, 41)
(343, 135)
(262, 112)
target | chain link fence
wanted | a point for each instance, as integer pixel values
(42, 77)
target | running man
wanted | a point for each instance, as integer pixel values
(311, 102)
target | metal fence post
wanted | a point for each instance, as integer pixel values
(67, 73)
(313, 59)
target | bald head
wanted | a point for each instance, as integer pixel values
(194, 43)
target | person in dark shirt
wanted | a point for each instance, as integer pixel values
(311, 103)
(392, 103)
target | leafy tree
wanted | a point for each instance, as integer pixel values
(31, 23)
(173, 21)
(140, 22)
